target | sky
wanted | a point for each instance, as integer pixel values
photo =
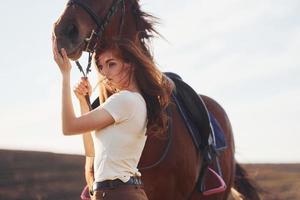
(242, 53)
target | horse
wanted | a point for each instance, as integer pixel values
(170, 167)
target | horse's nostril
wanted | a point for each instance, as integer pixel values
(71, 31)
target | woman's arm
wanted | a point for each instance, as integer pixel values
(68, 116)
(87, 137)
(89, 150)
(89, 171)
(72, 125)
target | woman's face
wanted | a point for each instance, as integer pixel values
(116, 72)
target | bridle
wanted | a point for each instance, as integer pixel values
(96, 34)
(101, 24)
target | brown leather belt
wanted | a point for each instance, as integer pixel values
(109, 184)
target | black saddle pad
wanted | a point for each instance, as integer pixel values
(200, 122)
(192, 109)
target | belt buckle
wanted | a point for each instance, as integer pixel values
(94, 186)
(136, 180)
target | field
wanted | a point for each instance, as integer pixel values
(279, 181)
(26, 175)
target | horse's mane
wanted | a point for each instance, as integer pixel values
(145, 23)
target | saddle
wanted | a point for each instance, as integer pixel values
(203, 126)
(205, 130)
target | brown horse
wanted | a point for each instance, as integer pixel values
(176, 175)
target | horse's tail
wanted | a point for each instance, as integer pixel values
(244, 185)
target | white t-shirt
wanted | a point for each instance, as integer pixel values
(118, 147)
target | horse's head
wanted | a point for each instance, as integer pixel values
(112, 18)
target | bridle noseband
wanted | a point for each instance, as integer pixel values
(96, 34)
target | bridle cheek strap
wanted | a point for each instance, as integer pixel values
(101, 24)
(84, 6)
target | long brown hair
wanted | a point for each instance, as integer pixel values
(155, 87)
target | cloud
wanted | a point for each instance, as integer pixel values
(265, 127)
(36, 125)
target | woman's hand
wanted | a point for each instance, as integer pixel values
(82, 88)
(61, 59)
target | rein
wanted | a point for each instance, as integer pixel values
(170, 137)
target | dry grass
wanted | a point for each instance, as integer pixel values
(42, 176)
(39, 176)
(279, 181)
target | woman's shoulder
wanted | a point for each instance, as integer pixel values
(133, 96)
(127, 96)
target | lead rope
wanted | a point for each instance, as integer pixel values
(88, 69)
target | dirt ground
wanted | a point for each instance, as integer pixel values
(279, 181)
(47, 176)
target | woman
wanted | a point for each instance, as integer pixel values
(134, 95)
